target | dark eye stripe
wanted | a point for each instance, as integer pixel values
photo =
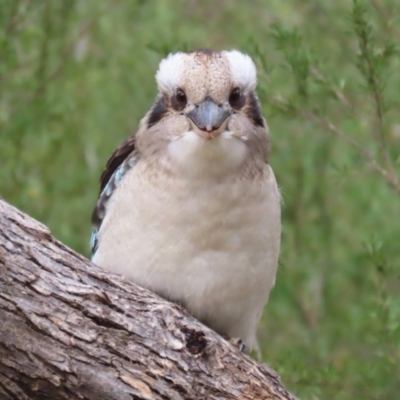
(253, 110)
(250, 105)
(158, 111)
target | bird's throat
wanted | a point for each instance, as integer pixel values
(199, 157)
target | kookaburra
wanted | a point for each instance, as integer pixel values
(189, 206)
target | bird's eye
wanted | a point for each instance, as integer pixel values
(234, 98)
(181, 98)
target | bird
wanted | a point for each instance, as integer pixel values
(189, 206)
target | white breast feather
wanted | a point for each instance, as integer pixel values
(210, 243)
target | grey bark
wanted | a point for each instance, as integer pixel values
(69, 330)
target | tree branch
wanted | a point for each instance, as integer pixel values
(70, 330)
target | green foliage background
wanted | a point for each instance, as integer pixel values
(76, 77)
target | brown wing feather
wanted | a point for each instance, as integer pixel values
(117, 158)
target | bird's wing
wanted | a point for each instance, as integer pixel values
(119, 155)
(122, 160)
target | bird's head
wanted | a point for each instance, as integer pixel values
(207, 107)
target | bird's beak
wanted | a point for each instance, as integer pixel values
(209, 117)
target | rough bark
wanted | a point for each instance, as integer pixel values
(69, 330)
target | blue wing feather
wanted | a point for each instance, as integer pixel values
(100, 210)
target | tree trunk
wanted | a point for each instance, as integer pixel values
(69, 330)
